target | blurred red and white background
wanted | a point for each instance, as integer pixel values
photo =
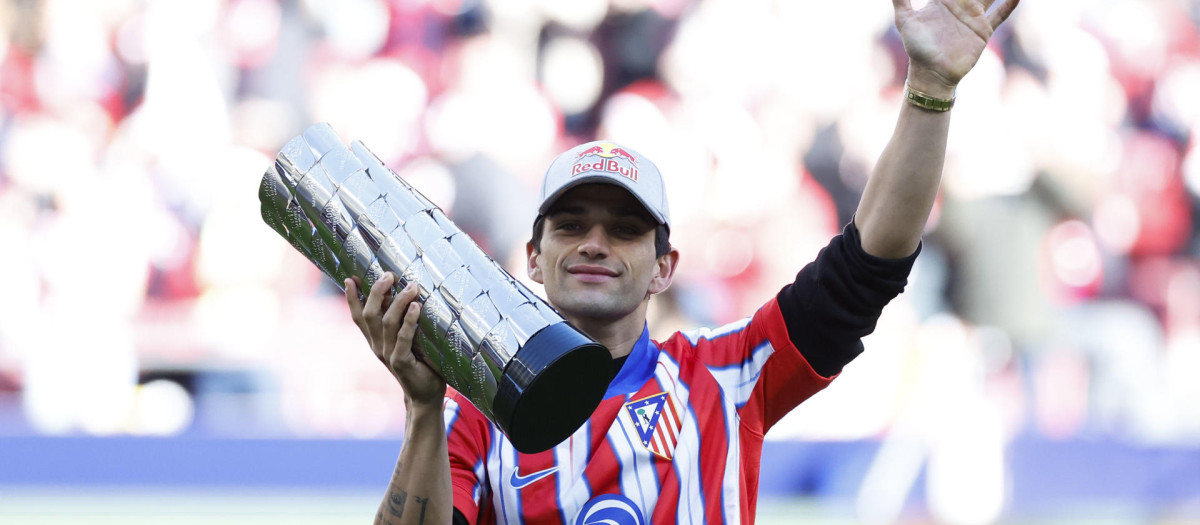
(1041, 365)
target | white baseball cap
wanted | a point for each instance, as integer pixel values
(607, 162)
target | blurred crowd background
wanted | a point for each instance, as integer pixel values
(1057, 296)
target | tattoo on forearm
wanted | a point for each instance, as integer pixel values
(423, 502)
(396, 503)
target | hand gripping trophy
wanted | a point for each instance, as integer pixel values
(490, 337)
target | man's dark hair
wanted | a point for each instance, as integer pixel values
(662, 237)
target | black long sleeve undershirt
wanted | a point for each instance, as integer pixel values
(836, 300)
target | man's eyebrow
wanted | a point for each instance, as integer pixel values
(567, 209)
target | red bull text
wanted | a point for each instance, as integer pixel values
(609, 165)
(609, 155)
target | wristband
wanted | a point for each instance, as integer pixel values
(926, 101)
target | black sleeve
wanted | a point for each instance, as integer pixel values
(837, 299)
(459, 519)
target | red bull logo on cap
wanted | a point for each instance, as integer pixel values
(610, 156)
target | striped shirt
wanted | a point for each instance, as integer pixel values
(677, 438)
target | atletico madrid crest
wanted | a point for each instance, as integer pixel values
(657, 422)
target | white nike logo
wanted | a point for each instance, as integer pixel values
(519, 482)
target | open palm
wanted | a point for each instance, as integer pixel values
(945, 38)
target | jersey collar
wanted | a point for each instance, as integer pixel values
(639, 366)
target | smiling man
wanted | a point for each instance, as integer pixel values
(678, 435)
(599, 244)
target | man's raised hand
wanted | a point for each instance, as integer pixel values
(945, 38)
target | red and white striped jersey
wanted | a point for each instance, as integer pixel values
(677, 439)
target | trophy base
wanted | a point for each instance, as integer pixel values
(550, 387)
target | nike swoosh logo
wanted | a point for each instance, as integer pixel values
(519, 482)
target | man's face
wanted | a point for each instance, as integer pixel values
(597, 258)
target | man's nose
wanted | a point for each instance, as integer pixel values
(595, 243)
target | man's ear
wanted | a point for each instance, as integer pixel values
(664, 272)
(531, 265)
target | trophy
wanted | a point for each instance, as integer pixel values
(491, 338)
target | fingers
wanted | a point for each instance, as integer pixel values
(972, 8)
(1000, 14)
(373, 306)
(396, 314)
(401, 357)
(356, 307)
(404, 338)
(901, 6)
(387, 301)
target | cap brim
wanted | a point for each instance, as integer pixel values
(604, 179)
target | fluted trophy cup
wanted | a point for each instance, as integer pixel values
(491, 338)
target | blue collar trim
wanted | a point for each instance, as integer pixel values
(638, 368)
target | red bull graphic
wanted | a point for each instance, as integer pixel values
(594, 150)
(610, 156)
(618, 152)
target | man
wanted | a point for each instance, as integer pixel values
(679, 433)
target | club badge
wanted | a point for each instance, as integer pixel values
(657, 422)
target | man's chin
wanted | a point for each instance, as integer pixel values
(591, 308)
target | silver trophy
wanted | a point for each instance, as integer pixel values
(491, 338)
